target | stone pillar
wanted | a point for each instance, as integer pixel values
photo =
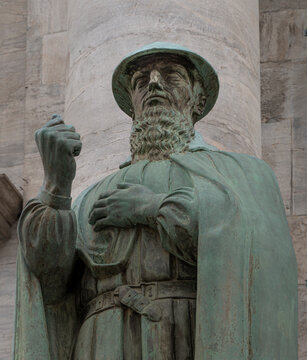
(224, 32)
(13, 28)
(284, 125)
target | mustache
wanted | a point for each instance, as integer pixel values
(156, 93)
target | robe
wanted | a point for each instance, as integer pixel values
(246, 306)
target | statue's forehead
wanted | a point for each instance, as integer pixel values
(148, 62)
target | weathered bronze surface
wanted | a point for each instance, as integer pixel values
(184, 253)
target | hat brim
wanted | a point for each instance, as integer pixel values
(121, 76)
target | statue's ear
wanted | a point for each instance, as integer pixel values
(199, 106)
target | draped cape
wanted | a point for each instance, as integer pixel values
(247, 275)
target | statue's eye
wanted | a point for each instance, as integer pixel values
(139, 82)
(175, 76)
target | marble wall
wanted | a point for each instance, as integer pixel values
(45, 78)
(33, 57)
(13, 17)
(284, 123)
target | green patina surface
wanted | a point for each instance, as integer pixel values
(184, 253)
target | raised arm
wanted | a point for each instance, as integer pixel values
(47, 227)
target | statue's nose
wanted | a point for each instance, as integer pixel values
(155, 81)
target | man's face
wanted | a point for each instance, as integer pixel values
(161, 82)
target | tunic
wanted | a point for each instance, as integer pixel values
(133, 336)
(132, 256)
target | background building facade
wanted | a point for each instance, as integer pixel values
(57, 56)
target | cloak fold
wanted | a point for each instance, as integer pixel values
(42, 332)
(31, 336)
(247, 277)
(247, 273)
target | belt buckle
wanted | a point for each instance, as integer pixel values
(150, 290)
(99, 304)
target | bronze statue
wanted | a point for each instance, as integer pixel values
(184, 253)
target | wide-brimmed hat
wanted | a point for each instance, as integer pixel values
(122, 75)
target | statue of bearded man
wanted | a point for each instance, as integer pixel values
(184, 253)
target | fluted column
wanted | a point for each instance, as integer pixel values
(101, 33)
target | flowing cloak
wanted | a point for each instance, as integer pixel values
(246, 270)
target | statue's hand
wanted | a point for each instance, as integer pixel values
(128, 205)
(58, 144)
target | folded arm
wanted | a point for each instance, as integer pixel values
(173, 215)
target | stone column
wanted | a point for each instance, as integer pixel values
(225, 32)
(284, 125)
(13, 28)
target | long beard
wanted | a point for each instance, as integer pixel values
(160, 133)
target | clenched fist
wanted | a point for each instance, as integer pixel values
(58, 144)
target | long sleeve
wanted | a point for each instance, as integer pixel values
(177, 223)
(47, 238)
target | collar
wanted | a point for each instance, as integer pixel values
(197, 144)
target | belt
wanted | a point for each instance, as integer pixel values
(140, 297)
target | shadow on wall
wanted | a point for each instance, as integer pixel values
(10, 206)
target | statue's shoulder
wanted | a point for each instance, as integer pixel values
(254, 169)
(227, 163)
(244, 160)
(200, 150)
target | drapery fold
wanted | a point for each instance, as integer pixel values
(247, 277)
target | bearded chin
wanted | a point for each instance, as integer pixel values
(160, 133)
